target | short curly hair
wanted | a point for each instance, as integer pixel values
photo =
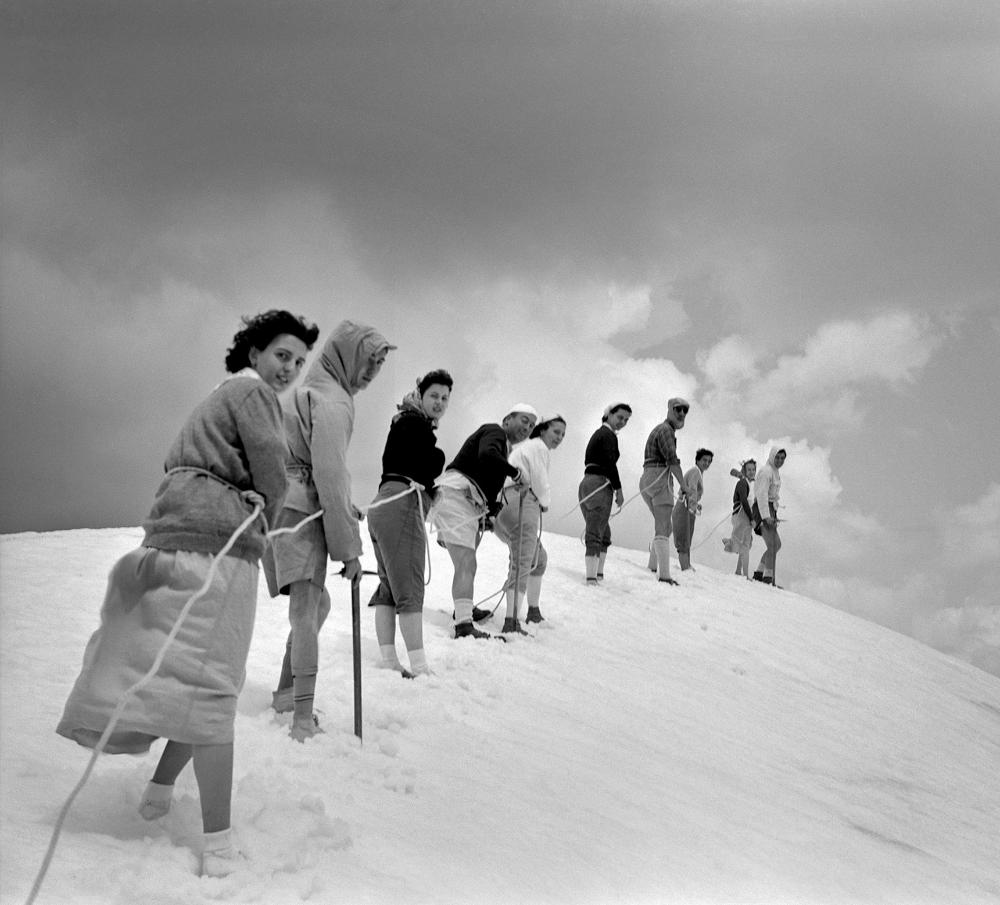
(428, 380)
(259, 332)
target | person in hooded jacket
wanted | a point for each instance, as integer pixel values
(319, 421)
(227, 459)
(767, 490)
(520, 520)
(411, 460)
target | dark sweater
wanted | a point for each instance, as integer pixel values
(741, 498)
(411, 450)
(483, 460)
(601, 457)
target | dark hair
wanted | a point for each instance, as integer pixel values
(743, 467)
(617, 407)
(432, 377)
(259, 332)
(543, 425)
(704, 452)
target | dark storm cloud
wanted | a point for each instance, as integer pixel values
(624, 138)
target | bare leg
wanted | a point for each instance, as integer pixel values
(213, 768)
(304, 608)
(411, 627)
(175, 758)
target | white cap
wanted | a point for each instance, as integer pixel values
(522, 408)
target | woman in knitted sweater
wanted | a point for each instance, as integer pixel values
(227, 459)
(399, 538)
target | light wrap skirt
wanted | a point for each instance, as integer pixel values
(742, 538)
(192, 697)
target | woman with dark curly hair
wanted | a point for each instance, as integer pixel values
(228, 458)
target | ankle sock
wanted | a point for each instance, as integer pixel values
(418, 662)
(155, 801)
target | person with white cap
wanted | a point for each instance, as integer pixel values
(319, 421)
(467, 495)
(660, 466)
(600, 485)
(520, 520)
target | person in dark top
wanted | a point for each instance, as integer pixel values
(466, 493)
(600, 485)
(742, 536)
(396, 520)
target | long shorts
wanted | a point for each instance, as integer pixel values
(299, 556)
(458, 509)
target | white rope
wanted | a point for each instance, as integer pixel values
(119, 709)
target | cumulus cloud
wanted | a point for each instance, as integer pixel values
(971, 533)
(824, 387)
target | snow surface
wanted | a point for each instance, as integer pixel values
(718, 742)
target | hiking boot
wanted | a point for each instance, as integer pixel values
(676, 584)
(534, 615)
(512, 627)
(758, 576)
(478, 614)
(282, 700)
(591, 582)
(468, 630)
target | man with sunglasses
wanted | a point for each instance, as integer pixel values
(660, 467)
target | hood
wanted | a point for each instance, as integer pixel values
(345, 356)
(770, 456)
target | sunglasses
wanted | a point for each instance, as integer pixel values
(683, 409)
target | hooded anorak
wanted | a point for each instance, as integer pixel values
(319, 422)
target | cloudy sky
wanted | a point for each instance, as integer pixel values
(787, 212)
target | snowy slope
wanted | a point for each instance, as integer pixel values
(718, 742)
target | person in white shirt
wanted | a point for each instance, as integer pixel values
(519, 523)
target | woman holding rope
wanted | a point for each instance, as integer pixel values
(600, 486)
(411, 462)
(319, 421)
(227, 461)
(520, 520)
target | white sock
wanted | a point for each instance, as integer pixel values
(218, 857)
(155, 801)
(418, 662)
(463, 610)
